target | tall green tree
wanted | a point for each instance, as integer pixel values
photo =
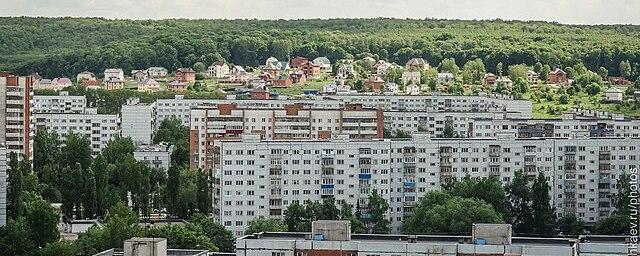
(449, 65)
(519, 195)
(217, 234)
(265, 225)
(14, 191)
(89, 194)
(173, 189)
(204, 192)
(76, 150)
(438, 213)
(488, 189)
(346, 213)
(571, 225)
(625, 69)
(473, 72)
(377, 208)
(42, 221)
(329, 210)
(543, 213)
(296, 218)
(499, 69)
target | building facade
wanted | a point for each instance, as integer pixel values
(16, 106)
(261, 178)
(154, 156)
(99, 128)
(138, 121)
(61, 103)
(292, 122)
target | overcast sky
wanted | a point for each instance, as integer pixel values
(564, 11)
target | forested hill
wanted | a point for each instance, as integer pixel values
(66, 46)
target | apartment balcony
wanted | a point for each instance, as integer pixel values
(494, 153)
(445, 163)
(570, 190)
(275, 197)
(364, 176)
(445, 154)
(604, 199)
(364, 166)
(409, 164)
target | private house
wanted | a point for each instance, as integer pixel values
(413, 89)
(156, 72)
(260, 93)
(417, 64)
(218, 69)
(148, 85)
(373, 84)
(185, 75)
(324, 63)
(90, 84)
(237, 76)
(532, 76)
(271, 69)
(392, 88)
(298, 77)
(613, 95)
(139, 75)
(85, 75)
(618, 80)
(345, 70)
(283, 65)
(271, 61)
(177, 86)
(43, 84)
(557, 76)
(382, 67)
(59, 83)
(35, 76)
(310, 70)
(282, 82)
(445, 79)
(411, 77)
(113, 83)
(114, 73)
(296, 62)
(337, 88)
(504, 81)
(489, 79)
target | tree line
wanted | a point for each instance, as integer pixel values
(111, 187)
(525, 203)
(67, 46)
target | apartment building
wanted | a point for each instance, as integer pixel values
(441, 103)
(3, 185)
(291, 122)
(16, 105)
(61, 103)
(154, 156)
(99, 128)
(138, 121)
(180, 107)
(487, 124)
(259, 178)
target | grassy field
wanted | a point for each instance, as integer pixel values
(545, 108)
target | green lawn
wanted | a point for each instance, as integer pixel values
(541, 106)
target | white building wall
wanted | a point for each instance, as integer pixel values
(99, 128)
(3, 185)
(138, 121)
(403, 171)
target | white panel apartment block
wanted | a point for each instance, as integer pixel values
(261, 178)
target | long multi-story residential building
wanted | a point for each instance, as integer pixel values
(16, 105)
(259, 178)
(442, 103)
(100, 128)
(61, 103)
(180, 107)
(3, 185)
(291, 122)
(480, 125)
(138, 121)
(154, 156)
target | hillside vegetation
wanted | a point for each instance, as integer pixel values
(66, 46)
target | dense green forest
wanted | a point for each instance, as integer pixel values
(66, 46)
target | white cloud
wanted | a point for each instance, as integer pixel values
(564, 11)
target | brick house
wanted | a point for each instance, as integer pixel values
(260, 93)
(185, 75)
(557, 76)
(298, 77)
(310, 69)
(297, 62)
(374, 84)
(618, 80)
(282, 82)
(177, 86)
(489, 79)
